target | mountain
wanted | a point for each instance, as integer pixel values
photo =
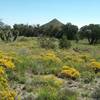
(53, 23)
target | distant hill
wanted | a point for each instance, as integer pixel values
(53, 23)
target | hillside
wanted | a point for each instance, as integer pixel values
(51, 74)
(53, 23)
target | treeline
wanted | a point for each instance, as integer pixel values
(70, 31)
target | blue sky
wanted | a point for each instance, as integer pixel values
(79, 12)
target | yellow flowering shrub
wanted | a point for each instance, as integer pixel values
(74, 57)
(50, 56)
(6, 62)
(6, 93)
(69, 72)
(95, 65)
(1, 70)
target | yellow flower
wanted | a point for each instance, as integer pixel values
(69, 72)
(50, 56)
(5, 91)
(7, 63)
(1, 70)
(95, 65)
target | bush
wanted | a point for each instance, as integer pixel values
(88, 76)
(47, 43)
(8, 35)
(67, 94)
(6, 93)
(69, 72)
(96, 94)
(95, 66)
(48, 63)
(64, 43)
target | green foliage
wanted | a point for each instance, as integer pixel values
(7, 34)
(96, 93)
(49, 94)
(23, 64)
(88, 76)
(47, 43)
(70, 31)
(53, 28)
(67, 94)
(64, 42)
(91, 32)
(44, 67)
(37, 69)
(28, 30)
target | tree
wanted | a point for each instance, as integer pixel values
(28, 30)
(91, 32)
(7, 33)
(51, 31)
(69, 31)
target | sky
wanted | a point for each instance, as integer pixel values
(78, 12)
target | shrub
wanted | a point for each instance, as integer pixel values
(54, 81)
(64, 43)
(95, 66)
(96, 93)
(21, 79)
(8, 35)
(48, 63)
(47, 80)
(47, 43)
(6, 93)
(67, 94)
(87, 76)
(50, 56)
(69, 72)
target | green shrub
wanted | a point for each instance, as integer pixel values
(67, 94)
(8, 35)
(47, 43)
(96, 93)
(87, 76)
(42, 67)
(64, 42)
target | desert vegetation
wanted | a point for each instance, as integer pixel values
(49, 62)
